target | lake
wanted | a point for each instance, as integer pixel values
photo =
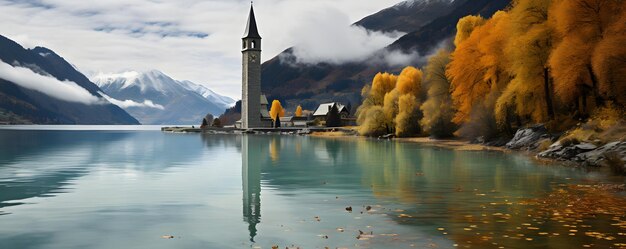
(134, 187)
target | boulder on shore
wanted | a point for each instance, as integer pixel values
(529, 138)
(586, 153)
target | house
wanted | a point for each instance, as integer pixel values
(321, 111)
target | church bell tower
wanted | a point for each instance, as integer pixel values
(251, 80)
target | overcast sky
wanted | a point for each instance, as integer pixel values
(189, 39)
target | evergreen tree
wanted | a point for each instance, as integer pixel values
(333, 119)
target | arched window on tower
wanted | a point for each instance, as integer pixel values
(253, 44)
(244, 45)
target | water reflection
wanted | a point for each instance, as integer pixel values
(43, 164)
(138, 186)
(46, 163)
(251, 158)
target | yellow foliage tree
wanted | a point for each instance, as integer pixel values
(407, 120)
(276, 110)
(437, 109)
(465, 26)
(390, 107)
(409, 81)
(381, 85)
(387, 102)
(529, 93)
(298, 112)
(408, 87)
(374, 124)
(374, 95)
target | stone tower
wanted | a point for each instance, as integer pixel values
(251, 80)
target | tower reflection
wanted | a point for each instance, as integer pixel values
(251, 148)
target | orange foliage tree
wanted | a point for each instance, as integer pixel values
(276, 110)
(582, 24)
(477, 71)
(298, 112)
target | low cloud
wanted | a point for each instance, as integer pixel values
(328, 36)
(198, 40)
(130, 103)
(62, 90)
(396, 57)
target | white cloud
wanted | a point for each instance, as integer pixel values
(140, 35)
(130, 103)
(326, 35)
(62, 90)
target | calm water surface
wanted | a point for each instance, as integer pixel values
(94, 187)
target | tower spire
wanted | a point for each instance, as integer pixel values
(251, 29)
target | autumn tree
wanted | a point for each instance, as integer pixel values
(298, 112)
(582, 24)
(217, 123)
(374, 96)
(276, 110)
(477, 71)
(609, 60)
(408, 90)
(374, 123)
(466, 76)
(390, 107)
(437, 109)
(381, 85)
(465, 26)
(529, 93)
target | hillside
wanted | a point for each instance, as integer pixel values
(20, 104)
(408, 16)
(309, 85)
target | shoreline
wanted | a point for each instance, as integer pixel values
(528, 148)
(453, 144)
(465, 145)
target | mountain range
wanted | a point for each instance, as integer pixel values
(155, 98)
(37, 86)
(428, 24)
(152, 97)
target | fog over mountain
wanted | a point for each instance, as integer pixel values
(37, 86)
(155, 98)
(426, 25)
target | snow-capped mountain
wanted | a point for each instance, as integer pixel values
(208, 93)
(155, 98)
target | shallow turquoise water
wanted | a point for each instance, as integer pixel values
(99, 188)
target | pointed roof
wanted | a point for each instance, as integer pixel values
(251, 29)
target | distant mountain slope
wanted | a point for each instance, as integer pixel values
(23, 105)
(309, 85)
(409, 15)
(155, 98)
(427, 37)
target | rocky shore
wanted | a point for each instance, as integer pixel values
(586, 153)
